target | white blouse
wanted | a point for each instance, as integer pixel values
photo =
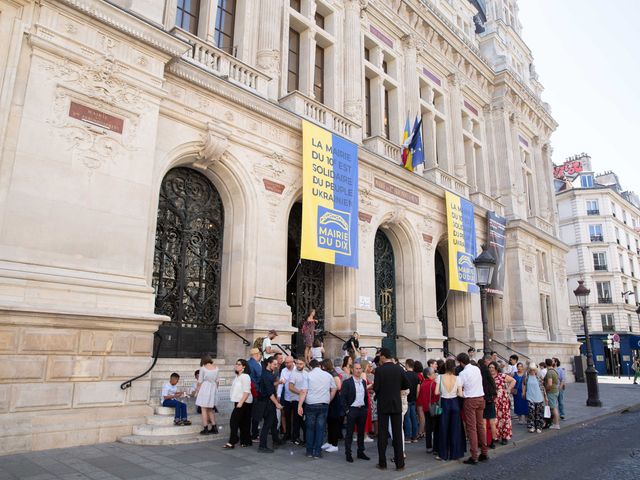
(241, 384)
(449, 394)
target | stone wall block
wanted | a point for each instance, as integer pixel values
(142, 344)
(49, 340)
(5, 395)
(99, 343)
(22, 368)
(139, 391)
(8, 340)
(97, 394)
(124, 367)
(48, 440)
(74, 368)
(41, 396)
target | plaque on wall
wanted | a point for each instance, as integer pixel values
(96, 117)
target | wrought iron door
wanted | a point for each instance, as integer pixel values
(385, 274)
(305, 290)
(441, 296)
(187, 261)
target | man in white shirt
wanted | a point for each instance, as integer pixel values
(285, 416)
(316, 399)
(169, 397)
(363, 356)
(355, 402)
(298, 381)
(267, 349)
(471, 379)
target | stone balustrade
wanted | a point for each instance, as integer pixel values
(384, 147)
(223, 65)
(447, 181)
(485, 201)
(321, 114)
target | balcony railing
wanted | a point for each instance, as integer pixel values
(319, 113)
(602, 268)
(222, 64)
(487, 202)
(593, 212)
(384, 147)
(596, 238)
(444, 179)
(604, 300)
(608, 328)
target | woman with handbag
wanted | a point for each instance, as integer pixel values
(432, 411)
(534, 392)
(451, 440)
(504, 386)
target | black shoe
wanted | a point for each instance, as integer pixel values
(186, 422)
(214, 429)
(349, 459)
(483, 458)
(265, 450)
(470, 461)
(400, 468)
(381, 467)
(205, 431)
(504, 441)
(492, 445)
(362, 456)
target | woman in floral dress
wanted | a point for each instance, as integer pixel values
(308, 329)
(504, 386)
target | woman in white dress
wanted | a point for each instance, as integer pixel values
(206, 394)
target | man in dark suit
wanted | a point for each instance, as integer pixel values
(355, 401)
(389, 380)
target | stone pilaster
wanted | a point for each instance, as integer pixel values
(268, 56)
(455, 103)
(411, 85)
(352, 59)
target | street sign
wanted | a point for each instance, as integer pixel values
(616, 338)
(616, 345)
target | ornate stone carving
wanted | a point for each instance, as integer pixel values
(269, 62)
(215, 143)
(272, 166)
(409, 41)
(365, 196)
(397, 215)
(100, 81)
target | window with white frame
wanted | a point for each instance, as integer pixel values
(607, 322)
(592, 207)
(434, 122)
(595, 233)
(225, 26)
(604, 292)
(311, 59)
(472, 139)
(586, 181)
(381, 90)
(600, 261)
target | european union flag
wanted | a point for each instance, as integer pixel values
(415, 147)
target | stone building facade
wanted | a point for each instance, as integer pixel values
(600, 221)
(150, 169)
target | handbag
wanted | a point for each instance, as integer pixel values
(434, 408)
(547, 411)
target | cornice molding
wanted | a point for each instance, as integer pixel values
(130, 25)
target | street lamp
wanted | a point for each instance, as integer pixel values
(485, 263)
(593, 398)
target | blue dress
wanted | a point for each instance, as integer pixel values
(520, 405)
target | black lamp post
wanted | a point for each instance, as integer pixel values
(593, 397)
(485, 264)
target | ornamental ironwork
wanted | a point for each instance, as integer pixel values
(187, 263)
(305, 290)
(385, 282)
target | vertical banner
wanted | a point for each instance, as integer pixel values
(461, 228)
(329, 197)
(496, 228)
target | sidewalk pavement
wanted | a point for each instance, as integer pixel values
(209, 461)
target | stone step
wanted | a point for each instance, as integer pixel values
(156, 440)
(165, 411)
(166, 430)
(166, 420)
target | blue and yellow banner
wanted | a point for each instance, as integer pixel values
(329, 197)
(461, 228)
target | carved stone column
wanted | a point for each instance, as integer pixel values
(411, 84)
(456, 127)
(352, 60)
(268, 57)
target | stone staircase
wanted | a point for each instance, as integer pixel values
(159, 429)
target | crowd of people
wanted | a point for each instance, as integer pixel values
(455, 404)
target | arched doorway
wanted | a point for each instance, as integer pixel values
(385, 283)
(305, 287)
(441, 296)
(187, 263)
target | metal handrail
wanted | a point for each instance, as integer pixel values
(327, 332)
(127, 384)
(465, 344)
(416, 344)
(285, 347)
(510, 349)
(244, 340)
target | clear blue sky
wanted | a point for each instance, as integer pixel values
(587, 55)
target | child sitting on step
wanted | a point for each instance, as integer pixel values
(169, 397)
